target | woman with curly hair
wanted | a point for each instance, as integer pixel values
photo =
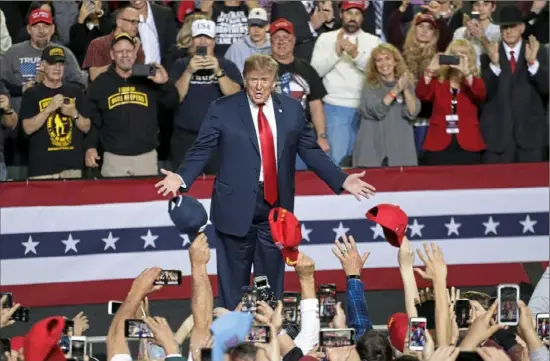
(456, 92)
(388, 104)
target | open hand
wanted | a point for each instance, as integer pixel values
(434, 262)
(346, 251)
(531, 49)
(356, 186)
(170, 184)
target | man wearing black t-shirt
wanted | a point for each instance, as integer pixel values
(200, 79)
(55, 117)
(299, 80)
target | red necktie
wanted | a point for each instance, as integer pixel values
(269, 162)
(512, 61)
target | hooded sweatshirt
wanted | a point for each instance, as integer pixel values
(242, 49)
(124, 112)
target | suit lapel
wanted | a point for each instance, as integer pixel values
(248, 122)
(279, 119)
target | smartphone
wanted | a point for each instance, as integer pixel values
(168, 278)
(291, 301)
(249, 299)
(206, 354)
(65, 344)
(201, 51)
(258, 334)
(449, 59)
(21, 315)
(5, 345)
(417, 333)
(112, 307)
(474, 15)
(144, 70)
(508, 310)
(543, 324)
(69, 327)
(336, 337)
(77, 349)
(9, 299)
(136, 329)
(462, 313)
(90, 6)
(327, 302)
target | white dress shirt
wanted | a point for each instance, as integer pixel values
(269, 112)
(517, 52)
(149, 37)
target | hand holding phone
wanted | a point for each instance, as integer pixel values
(543, 326)
(449, 59)
(336, 337)
(249, 299)
(137, 329)
(258, 334)
(508, 309)
(417, 333)
(462, 313)
(201, 51)
(168, 278)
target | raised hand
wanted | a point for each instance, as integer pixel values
(346, 251)
(434, 262)
(531, 49)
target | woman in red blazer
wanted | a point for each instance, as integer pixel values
(453, 135)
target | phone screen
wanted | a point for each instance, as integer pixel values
(249, 299)
(137, 329)
(508, 305)
(327, 305)
(337, 337)
(21, 314)
(462, 312)
(417, 338)
(449, 60)
(201, 51)
(78, 349)
(543, 324)
(168, 278)
(258, 334)
(290, 308)
(474, 15)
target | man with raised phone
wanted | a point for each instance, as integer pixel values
(257, 134)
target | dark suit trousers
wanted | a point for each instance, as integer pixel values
(235, 256)
(513, 154)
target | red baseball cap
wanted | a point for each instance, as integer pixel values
(346, 5)
(42, 341)
(398, 325)
(392, 219)
(17, 343)
(287, 234)
(425, 18)
(40, 16)
(281, 24)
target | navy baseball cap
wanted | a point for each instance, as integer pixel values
(188, 214)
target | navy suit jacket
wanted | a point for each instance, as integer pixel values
(229, 129)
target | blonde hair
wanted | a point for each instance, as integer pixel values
(417, 55)
(455, 47)
(261, 62)
(184, 38)
(372, 77)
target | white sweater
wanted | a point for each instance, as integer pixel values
(342, 75)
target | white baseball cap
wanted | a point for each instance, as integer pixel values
(257, 16)
(203, 27)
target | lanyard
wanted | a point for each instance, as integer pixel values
(454, 102)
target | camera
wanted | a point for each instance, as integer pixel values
(264, 291)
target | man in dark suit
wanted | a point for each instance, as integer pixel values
(514, 121)
(257, 134)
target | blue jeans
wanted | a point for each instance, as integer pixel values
(3, 172)
(419, 135)
(342, 126)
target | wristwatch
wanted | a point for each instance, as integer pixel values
(221, 74)
(76, 117)
(322, 135)
(354, 277)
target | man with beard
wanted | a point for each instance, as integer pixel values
(340, 57)
(20, 66)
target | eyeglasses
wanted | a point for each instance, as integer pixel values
(123, 52)
(132, 21)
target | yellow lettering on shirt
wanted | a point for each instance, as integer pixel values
(59, 127)
(127, 95)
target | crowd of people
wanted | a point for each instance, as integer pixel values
(217, 333)
(115, 86)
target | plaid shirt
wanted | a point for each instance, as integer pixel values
(357, 311)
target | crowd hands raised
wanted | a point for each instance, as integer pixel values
(483, 337)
